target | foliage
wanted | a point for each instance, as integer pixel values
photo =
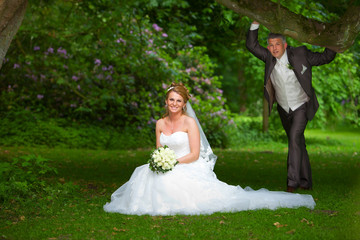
(223, 33)
(342, 80)
(25, 128)
(113, 69)
(248, 130)
(24, 177)
(316, 9)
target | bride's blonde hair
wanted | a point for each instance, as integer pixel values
(180, 89)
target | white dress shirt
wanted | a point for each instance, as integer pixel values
(288, 91)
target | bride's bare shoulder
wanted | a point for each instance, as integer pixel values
(160, 122)
(189, 120)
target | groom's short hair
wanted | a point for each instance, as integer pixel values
(276, 35)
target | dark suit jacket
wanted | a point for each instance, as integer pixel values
(300, 58)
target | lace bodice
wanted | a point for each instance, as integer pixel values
(178, 141)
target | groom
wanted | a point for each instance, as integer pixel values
(288, 82)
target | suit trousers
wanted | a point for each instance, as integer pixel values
(298, 164)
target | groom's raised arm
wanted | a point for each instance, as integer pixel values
(252, 43)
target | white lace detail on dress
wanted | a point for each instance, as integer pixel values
(207, 154)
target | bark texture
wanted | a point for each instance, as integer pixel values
(11, 15)
(338, 36)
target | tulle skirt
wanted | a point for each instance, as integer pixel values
(193, 189)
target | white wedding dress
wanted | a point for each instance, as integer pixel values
(192, 189)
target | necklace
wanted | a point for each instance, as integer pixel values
(173, 124)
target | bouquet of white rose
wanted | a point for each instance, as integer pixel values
(162, 159)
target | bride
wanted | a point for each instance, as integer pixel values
(191, 188)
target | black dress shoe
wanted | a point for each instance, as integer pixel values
(306, 188)
(290, 189)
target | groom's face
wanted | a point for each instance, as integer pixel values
(276, 47)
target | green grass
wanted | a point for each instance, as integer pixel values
(335, 160)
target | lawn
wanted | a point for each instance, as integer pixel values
(78, 214)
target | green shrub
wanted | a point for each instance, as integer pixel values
(25, 128)
(248, 130)
(28, 177)
(23, 177)
(115, 75)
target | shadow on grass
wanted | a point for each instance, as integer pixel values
(323, 141)
(268, 170)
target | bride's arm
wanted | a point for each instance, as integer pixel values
(158, 132)
(194, 140)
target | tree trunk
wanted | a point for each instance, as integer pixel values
(265, 115)
(11, 15)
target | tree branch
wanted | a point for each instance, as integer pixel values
(338, 36)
